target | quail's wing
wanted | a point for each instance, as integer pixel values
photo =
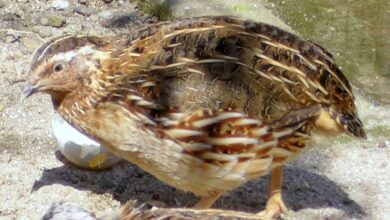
(224, 142)
(223, 62)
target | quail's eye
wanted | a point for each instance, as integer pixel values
(58, 67)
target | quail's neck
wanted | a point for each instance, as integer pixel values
(74, 105)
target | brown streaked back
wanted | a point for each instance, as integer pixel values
(228, 62)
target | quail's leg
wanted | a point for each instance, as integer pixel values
(275, 205)
(206, 202)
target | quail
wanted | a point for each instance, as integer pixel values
(203, 104)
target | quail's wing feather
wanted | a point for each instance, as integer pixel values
(222, 60)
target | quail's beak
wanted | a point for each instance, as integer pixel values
(29, 90)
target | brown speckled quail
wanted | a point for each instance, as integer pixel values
(203, 104)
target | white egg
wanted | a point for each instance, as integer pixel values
(80, 149)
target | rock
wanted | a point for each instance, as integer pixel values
(106, 22)
(94, 18)
(67, 13)
(119, 19)
(2, 3)
(83, 2)
(382, 144)
(107, 14)
(60, 5)
(42, 31)
(107, 1)
(2, 107)
(5, 157)
(15, 10)
(29, 20)
(156, 203)
(11, 38)
(93, 32)
(30, 43)
(59, 31)
(10, 17)
(52, 20)
(84, 10)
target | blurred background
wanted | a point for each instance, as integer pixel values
(355, 31)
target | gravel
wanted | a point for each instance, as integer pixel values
(60, 5)
(84, 10)
(51, 19)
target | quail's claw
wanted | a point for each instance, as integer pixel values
(275, 206)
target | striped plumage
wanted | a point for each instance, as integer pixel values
(203, 104)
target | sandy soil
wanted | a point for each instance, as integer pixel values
(337, 179)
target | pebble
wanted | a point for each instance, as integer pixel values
(93, 32)
(2, 3)
(30, 43)
(84, 10)
(42, 31)
(5, 157)
(156, 203)
(67, 13)
(60, 5)
(107, 1)
(52, 20)
(107, 14)
(2, 107)
(94, 18)
(382, 144)
(10, 38)
(10, 17)
(119, 19)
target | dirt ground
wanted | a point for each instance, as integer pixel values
(336, 179)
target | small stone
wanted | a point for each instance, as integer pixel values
(67, 13)
(11, 38)
(5, 157)
(60, 5)
(42, 31)
(44, 21)
(93, 32)
(119, 19)
(29, 20)
(108, 14)
(84, 10)
(2, 3)
(10, 17)
(30, 43)
(2, 107)
(155, 203)
(53, 20)
(106, 22)
(382, 144)
(94, 18)
(107, 1)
